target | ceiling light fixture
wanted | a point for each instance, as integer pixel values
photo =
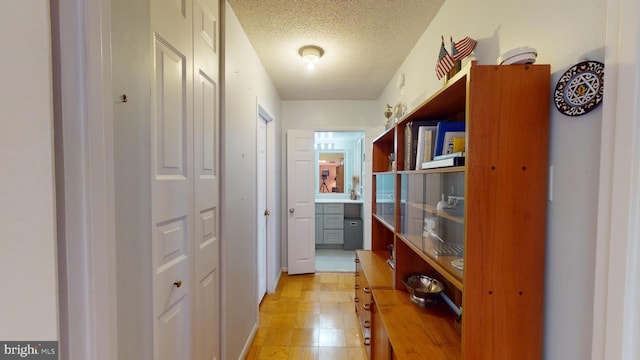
(311, 54)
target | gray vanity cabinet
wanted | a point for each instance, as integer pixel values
(319, 224)
(329, 224)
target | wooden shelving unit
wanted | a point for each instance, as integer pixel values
(497, 233)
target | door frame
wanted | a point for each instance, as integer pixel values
(83, 131)
(617, 269)
(262, 114)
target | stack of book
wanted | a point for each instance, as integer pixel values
(448, 148)
(426, 144)
(415, 142)
(453, 159)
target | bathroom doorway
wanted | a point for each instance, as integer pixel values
(339, 188)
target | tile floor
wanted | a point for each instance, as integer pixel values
(335, 260)
(309, 317)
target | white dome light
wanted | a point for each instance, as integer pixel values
(311, 54)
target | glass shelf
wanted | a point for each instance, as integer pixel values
(436, 235)
(385, 190)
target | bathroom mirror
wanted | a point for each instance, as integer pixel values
(338, 159)
(331, 170)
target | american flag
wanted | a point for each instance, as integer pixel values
(454, 51)
(445, 62)
(463, 48)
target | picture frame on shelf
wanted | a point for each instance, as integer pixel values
(442, 128)
(448, 146)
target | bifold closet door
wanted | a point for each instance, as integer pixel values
(206, 319)
(172, 177)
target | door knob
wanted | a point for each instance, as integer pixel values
(267, 213)
(178, 283)
(292, 210)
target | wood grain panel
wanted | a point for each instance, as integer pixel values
(507, 169)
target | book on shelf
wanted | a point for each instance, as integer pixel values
(411, 141)
(426, 136)
(448, 162)
(448, 156)
(444, 127)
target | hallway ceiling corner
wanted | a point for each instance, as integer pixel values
(365, 42)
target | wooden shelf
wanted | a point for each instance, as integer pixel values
(441, 170)
(383, 146)
(417, 332)
(447, 102)
(374, 266)
(385, 221)
(386, 136)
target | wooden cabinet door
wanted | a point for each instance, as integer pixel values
(380, 348)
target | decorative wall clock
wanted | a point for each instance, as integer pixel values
(580, 88)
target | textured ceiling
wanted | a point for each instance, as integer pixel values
(365, 42)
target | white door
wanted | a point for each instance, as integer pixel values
(300, 202)
(172, 178)
(271, 265)
(206, 315)
(369, 135)
(263, 212)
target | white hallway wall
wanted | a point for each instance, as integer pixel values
(245, 81)
(29, 299)
(564, 33)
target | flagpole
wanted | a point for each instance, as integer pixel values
(457, 66)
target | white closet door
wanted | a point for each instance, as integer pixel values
(206, 176)
(172, 177)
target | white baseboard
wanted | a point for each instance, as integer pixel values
(277, 281)
(247, 345)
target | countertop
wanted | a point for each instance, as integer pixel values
(338, 200)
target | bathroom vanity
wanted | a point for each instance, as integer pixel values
(335, 217)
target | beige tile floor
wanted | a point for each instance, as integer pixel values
(335, 260)
(309, 317)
